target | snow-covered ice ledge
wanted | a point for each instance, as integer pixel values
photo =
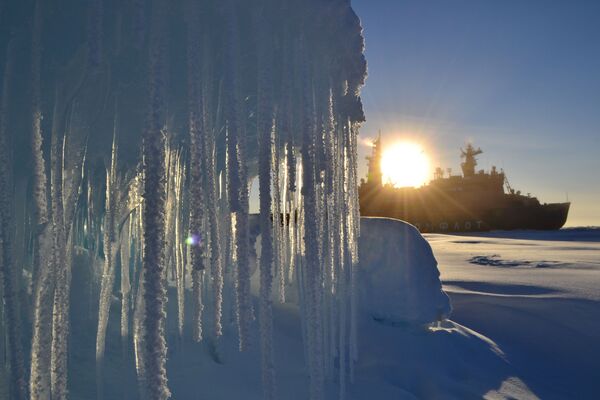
(399, 281)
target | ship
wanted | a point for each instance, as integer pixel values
(474, 201)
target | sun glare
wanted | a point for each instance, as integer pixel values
(405, 164)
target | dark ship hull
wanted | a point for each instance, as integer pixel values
(475, 201)
(432, 211)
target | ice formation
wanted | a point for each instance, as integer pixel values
(399, 286)
(200, 98)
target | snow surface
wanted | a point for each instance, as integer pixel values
(516, 332)
(537, 296)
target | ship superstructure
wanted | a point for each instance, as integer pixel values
(474, 201)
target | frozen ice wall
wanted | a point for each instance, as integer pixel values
(130, 131)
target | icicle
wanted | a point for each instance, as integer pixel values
(288, 218)
(111, 244)
(110, 254)
(154, 201)
(355, 226)
(174, 233)
(238, 175)
(198, 279)
(74, 153)
(39, 165)
(139, 334)
(279, 216)
(232, 111)
(138, 300)
(60, 326)
(126, 244)
(245, 312)
(328, 276)
(216, 258)
(197, 304)
(178, 244)
(40, 386)
(227, 234)
(197, 169)
(311, 243)
(215, 243)
(269, 212)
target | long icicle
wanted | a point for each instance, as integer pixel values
(268, 218)
(177, 245)
(59, 316)
(196, 166)
(212, 190)
(110, 253)
(311, 243)
(40, 386)
(126, 243)
(154, 201)
(238, 176)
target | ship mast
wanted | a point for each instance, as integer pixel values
(375, 176)
(468, 166)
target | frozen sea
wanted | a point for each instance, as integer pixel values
(537, 296)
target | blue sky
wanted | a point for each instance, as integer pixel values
(520, 79)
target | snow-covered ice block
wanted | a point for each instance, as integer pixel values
(398, 279)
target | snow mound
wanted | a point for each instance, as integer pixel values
(398, 278)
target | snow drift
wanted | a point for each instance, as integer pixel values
(399, 281)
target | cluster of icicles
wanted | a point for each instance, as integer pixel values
(179, 221)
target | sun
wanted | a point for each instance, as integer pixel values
(405, 164)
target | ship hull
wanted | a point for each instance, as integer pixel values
(538, 217)
(431, 211)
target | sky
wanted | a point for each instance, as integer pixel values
(518, 78)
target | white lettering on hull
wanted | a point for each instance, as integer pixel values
(455, 226)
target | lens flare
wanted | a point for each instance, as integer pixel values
(193, 240)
